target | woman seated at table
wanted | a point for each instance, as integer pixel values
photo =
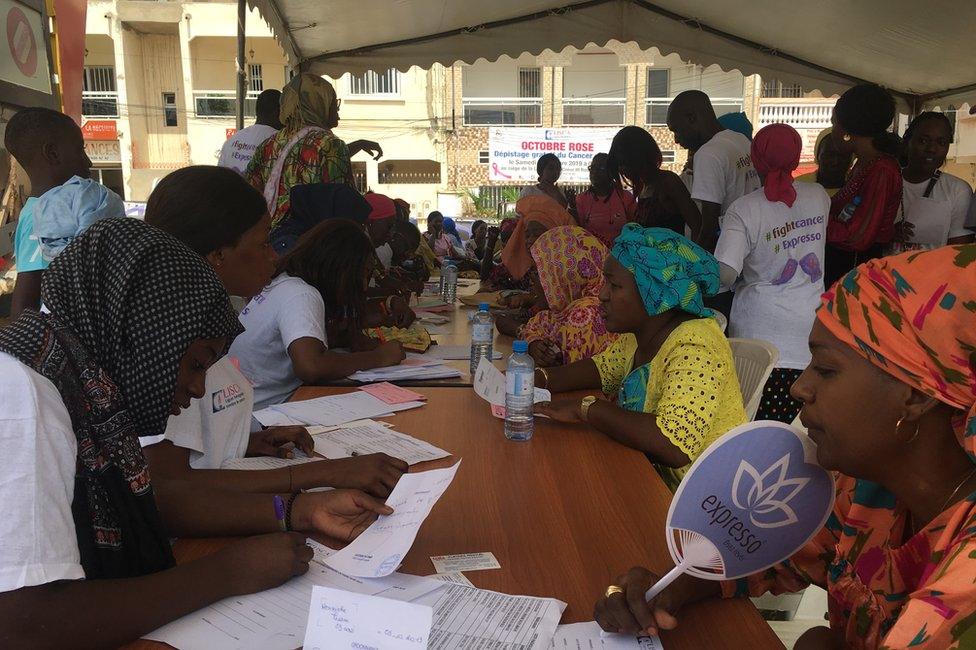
(222, 218)
(284, 343)
(672, 372)
(888, 400)
(570, 262)
(496, 240)
(135, 319)
(475, 247)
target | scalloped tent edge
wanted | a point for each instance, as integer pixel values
(918, 54)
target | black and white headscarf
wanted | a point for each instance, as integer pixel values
(126, 301)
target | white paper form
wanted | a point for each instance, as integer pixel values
(378, 549)
(341, 620)
(275, 619)
(372, 439)
(455, 577)
(489, 384)
(406, 373)
(586, 636)
(477, 618)
(454, 352)
(332, 410)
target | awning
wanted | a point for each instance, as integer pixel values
(922, 51)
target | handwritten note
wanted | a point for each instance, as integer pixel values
(392, 394)
(341, 619)
(378, 549)
(586, 636)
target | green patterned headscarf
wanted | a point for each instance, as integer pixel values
(670, 271)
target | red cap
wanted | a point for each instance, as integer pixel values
(382, 206)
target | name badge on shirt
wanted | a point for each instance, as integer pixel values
(227, 397)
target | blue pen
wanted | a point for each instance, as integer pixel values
(279, 506)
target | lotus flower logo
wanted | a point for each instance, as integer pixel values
(766, 496)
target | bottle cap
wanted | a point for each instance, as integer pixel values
(483, 306)
(520, 347)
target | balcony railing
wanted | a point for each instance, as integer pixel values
(799, 115)
(502, 111)
(598, 111)
(100, 103)
(222, 103)
(657, 108)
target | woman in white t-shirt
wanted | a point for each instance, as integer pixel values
(771, 250)
(221, 217)
(934, 205)
(135, 319)
(323, 279)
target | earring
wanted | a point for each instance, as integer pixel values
(848, 137)
(898, 431)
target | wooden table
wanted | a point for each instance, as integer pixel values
(564, 513)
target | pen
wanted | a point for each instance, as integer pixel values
(279, 506)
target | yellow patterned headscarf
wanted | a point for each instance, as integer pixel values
(307, 100)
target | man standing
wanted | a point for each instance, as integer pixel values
(238, 150)
(722, 165)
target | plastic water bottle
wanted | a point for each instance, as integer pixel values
(449, 275)
(482, 335)
(519, 393)
(848, 212)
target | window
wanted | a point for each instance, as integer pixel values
(255, 82)
(658, 93)
(359, 176)
(668, 156)
(483, 157)
(375, 83)
(776, 89)
(169, 109)
(98, 92)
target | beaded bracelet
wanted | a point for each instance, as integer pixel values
(291, 502)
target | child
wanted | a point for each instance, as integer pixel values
(284, 345)
(222, 218)
(50, 147)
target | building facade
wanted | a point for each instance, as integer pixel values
(159, 94)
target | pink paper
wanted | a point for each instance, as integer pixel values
(498, 411)
(392, 394)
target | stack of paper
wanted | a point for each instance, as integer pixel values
(264, 462)
(374, 438)
(276, 619)
(407, 372)
(588, 636)
(329, 411)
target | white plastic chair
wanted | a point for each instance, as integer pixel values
(754, 362)
(720, 318)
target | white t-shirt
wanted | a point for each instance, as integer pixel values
(217, 427)
(778, 252)
(971, 219)
(385, 255)
(286, 310)
(942, 215)
(38, 543)
(723, 170)
(239, 149)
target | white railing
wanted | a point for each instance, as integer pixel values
(220, 104)
(657, 108)
(96, 103)
(599, 111)
(502, 111)
(799, 115)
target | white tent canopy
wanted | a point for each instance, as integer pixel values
(916, 49)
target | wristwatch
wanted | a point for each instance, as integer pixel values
(585, 405)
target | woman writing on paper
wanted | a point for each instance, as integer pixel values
(322, 280)
(135, 319)
(888, 400)
(671, 373)
(222, 218)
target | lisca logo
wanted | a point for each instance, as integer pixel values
(766, 497)
(226, 397)
(755, 496)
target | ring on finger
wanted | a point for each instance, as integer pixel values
(613, 589)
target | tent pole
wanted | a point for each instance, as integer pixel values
(241, 76)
